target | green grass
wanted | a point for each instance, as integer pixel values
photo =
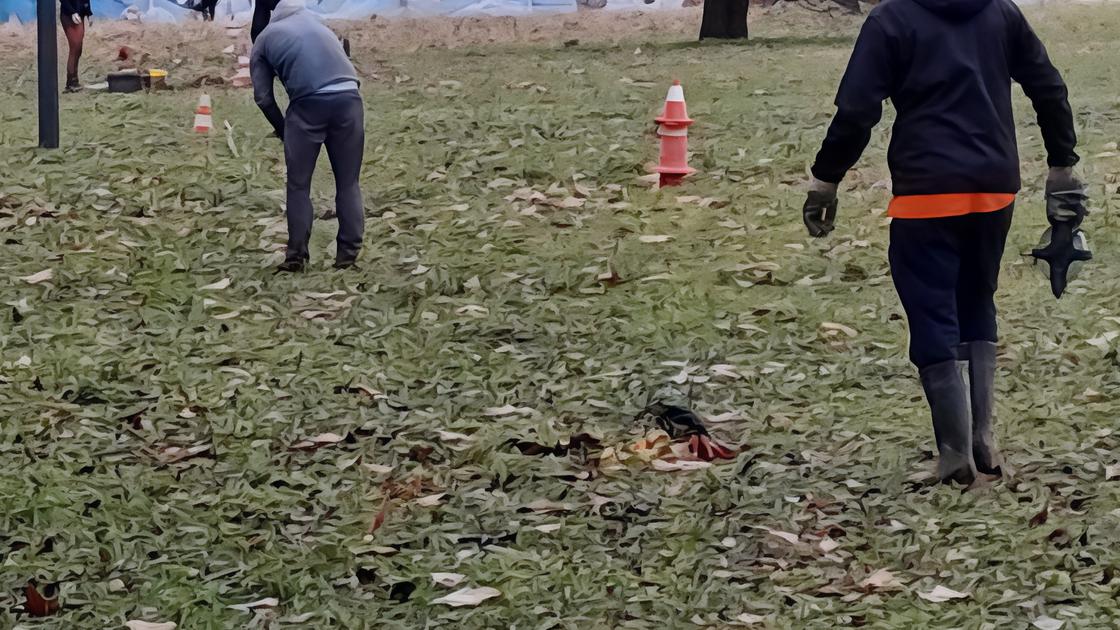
(469, 299)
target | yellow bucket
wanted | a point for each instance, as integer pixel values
(155, 79)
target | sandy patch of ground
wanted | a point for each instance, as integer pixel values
(105, 37)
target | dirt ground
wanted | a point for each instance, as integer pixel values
(407, 33)
(104, 38)
(198, 53)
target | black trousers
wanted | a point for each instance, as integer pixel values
(336, 120)
(946, 272)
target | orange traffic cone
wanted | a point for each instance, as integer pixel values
(676, 111)
(673, 129)
(203, 118)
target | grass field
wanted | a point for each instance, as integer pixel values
(160, 387)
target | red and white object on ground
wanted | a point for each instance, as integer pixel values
(203, 116)
(672, 127)
(243, 78)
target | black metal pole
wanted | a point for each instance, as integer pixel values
(48, 74)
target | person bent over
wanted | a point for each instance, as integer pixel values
(325, 108)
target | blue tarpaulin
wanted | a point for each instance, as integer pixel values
(169, 11)
(24, 10)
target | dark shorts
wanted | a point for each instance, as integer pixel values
(69, 8)
(946, 272)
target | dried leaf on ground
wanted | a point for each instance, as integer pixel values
(507, 410)
(1047, 623)
(448, 579)
(149, 625)
(316, 441)
(267, 602)
(36, 278)
(831, 327)
(542, 506)
(452, 436)
(172, 454)
(216, 286)
(468, 597)
(793, 539)
(881, 580)
(679, 465)
(431, 500)
(941, 594)
(1040, 518)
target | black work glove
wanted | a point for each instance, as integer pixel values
(1065, 210)
(1065, 198)
(819, 212)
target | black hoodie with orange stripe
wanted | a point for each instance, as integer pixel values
(947, 67)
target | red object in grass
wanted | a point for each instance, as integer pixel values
(42, 604)
(705, 448)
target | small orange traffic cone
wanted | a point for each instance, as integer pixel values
(676, 111)
(203, 118)
(673, 129)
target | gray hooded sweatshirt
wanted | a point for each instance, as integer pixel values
(299, 49)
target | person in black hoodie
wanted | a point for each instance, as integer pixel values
(947, 67)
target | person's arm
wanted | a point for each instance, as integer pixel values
(1032, 69)
(263, 77)
(859, 104)
(262, 14)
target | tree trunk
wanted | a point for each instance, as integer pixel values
(724, 19)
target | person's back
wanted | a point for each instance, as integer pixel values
(304, 54)
(947, 67)
(955, 125)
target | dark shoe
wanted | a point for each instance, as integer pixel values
(981, 357)
(345, 258)
(72, 86)
(292, 266)
(950, 405)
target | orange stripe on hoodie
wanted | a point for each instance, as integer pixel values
(951, 205)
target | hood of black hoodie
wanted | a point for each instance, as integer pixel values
(957, 10)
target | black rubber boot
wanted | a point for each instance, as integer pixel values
(950, 404)
(981, 356)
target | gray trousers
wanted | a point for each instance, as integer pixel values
(336, 120)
